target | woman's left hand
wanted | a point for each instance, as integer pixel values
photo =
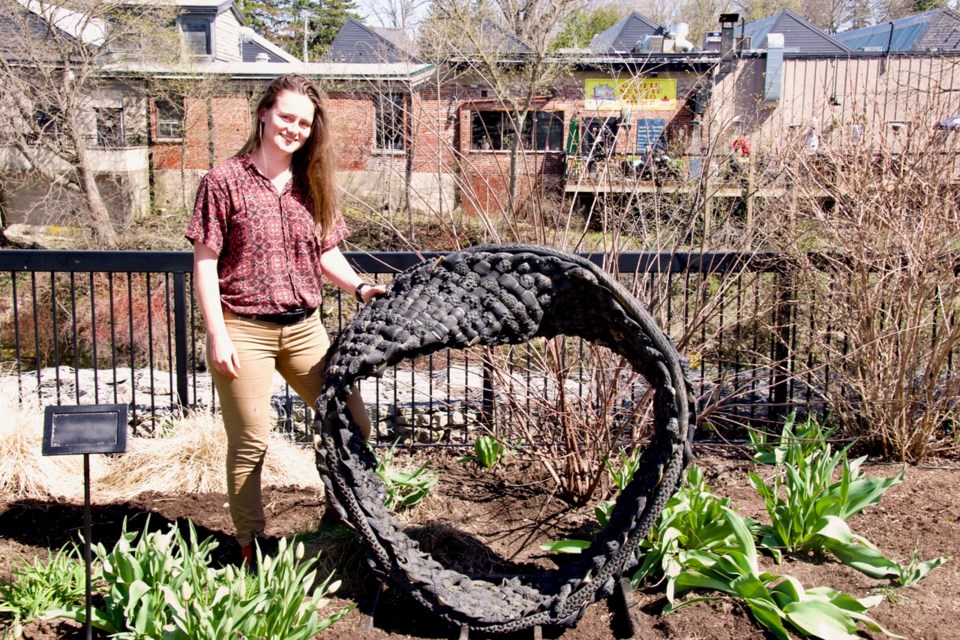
(372, 291)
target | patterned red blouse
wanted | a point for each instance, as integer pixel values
(269, 252)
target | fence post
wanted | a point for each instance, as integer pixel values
(180, 335)
(783, 366)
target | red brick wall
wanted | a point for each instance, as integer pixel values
(439, 125)
(232, 121)
(193, 149)
(352, 117)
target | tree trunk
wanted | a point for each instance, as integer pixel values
(98, 216)
(515, 164)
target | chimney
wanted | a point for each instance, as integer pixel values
(728, 26)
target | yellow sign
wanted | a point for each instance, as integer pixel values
(647, 94)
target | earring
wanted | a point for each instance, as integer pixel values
(260, 132)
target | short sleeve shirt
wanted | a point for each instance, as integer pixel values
(268, 247)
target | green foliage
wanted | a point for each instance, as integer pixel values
(692, 519)
(859, 553)
(43, 586)
(281, 22)
(796, 441)
(803, 493)
(582, 25)
(701, 543)
(161, 587)
(809, 509)
(404, 488)
(774, 601)
(487, 451)
(565, 546)
(623, 475)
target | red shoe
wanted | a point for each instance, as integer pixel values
(249, 555)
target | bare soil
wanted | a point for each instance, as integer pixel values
(496, 519)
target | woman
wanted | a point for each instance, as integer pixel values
(265, 230)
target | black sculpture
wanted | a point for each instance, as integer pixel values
(492, 295)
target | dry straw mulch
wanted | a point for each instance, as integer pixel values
(190, 457)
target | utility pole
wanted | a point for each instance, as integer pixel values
(304, 15)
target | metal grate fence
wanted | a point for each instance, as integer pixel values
(89, 327)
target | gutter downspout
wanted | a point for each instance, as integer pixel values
(886, 53)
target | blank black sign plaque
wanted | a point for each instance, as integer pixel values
(94, 428)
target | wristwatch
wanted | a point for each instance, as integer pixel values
(358, 292)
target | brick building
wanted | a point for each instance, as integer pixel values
(640, 106)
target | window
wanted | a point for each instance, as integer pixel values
(109, 126)
(493, 130)
(170, 118)
(389, 135)
(48, 123)
(599, 137)
(196, 36)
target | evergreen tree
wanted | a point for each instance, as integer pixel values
(263, 16)
(282, 22)
(582, 25)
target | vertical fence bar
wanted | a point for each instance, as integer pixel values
(55, 338)
(781, 364)
(488, 402)
(180, 337)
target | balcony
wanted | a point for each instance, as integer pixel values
(111, 152)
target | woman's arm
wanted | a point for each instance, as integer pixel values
(338, 270)
(222, 354)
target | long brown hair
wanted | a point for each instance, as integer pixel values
(314, 162)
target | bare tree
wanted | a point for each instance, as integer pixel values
(506, 44)
(57, 61)
(398, 14)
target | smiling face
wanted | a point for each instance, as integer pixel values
(287, 124)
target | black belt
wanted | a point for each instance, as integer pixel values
(285, 318)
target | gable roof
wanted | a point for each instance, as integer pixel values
(935, 30)
(252, 44)
(799, 36)
(500, 39)
(358, 43)
(624, 36)
(74, 23)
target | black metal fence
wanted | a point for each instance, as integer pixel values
(89, 327)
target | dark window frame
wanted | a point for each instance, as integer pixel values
(389, 122)
(169, 118)
(110, 126)
(49, 122)
(194, 25)
(492, 130)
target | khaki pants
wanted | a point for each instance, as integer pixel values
(298, 353)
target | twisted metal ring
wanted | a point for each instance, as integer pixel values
(491, 295)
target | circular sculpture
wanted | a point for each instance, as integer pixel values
(491, 295)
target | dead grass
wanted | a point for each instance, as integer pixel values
(24, 471)
(191, 458)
